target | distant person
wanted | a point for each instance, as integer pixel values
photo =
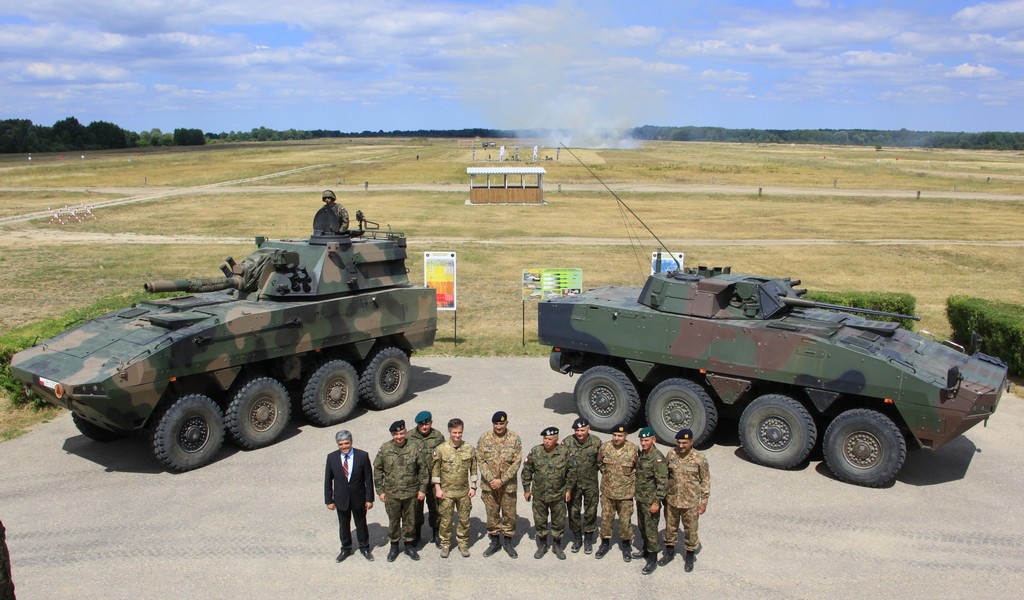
(331, 201)
(348, 489)
(6, 582)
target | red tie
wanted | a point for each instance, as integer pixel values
(344, 465)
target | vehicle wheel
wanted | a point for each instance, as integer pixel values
(188, 433)
(676, 404)
(95, 432)
(777, 431)
(258, 412)
(385, 380)
(606, 396)
(331, 393)
(864, 447)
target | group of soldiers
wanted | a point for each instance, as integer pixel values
(421, 468)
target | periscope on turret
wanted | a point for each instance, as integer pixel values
(330, 321)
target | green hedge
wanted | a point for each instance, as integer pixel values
(1000, 325)
(893, 302)
(16, 340)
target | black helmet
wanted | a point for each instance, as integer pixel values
(328, 194)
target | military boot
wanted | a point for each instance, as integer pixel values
(393, 553)
(588, 542)
(436, 538)
(670, 553)
(690, 558)
(445, 551)
(410, 551)
(606, 545)
(556, 547)
(642, 553)
(577, 542)
(652, 563)
(542, 547)
(626, 547)
(506, 543)
(495, 545)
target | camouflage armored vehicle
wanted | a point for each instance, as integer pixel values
(332, 319)
(691, 345)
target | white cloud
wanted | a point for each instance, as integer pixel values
(992, 16)
(868, 58)
(969, 71)
(635, 35)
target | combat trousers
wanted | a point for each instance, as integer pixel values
(542, 510)
(401, 518)
(431, 502)
(623, 508)
(6, 582)
(463, 505)
(585, 500)
(501, 512)
(689, 517)
(648, 525)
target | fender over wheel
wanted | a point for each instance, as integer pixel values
(258, 412)
(188, 433)
(331, 393)
(864, 447)
(385, 380)
(95, 432)
(678, 403)
(606, 397)
(777, 431)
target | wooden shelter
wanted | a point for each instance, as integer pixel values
(501, 185)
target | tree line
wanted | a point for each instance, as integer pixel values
(22, 136)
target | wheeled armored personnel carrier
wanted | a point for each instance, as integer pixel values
(331, 319)
(691, 345)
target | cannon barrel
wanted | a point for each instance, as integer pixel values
(193, 286)
(800, 302)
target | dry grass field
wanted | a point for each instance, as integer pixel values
(838, 218)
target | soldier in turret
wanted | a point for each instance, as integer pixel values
(546, 475)
(689, 487)
(584, 491)
(331, 201)
(429, 439)
(499, 453)
(651, 486)
(400, 476)
(617, 459)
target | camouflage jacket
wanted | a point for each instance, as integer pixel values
(547, 474)
(584, 460)
(651, 477)
(689, 479)
(427, 443)
(454, 469)
(400, 471)
(499, 458)
(618, 470)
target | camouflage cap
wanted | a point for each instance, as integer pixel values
(499, 417)
(620, 428)
(328, 194)
(580, 422)
(646, 432)
(684, 434)
(397, 426)
(423, 416)
(549, 431)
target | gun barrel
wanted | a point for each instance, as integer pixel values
(791, 301)
(193, 286)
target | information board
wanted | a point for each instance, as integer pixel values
(662, 262)
(439, 273)
(541, 284)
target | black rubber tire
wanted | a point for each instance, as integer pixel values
(606, 397)
(331, 393)
(258, 412)
(777, 431)
(864, 447)
(678, 403)
(189, 433)
(385, 380)
(95, 432)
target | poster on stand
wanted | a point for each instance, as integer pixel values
(439, 273)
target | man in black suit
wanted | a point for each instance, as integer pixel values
(348, 489)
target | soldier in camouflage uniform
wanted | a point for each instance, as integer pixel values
(331, 201)
(428, 438)
(400, 476)
(651, 487)
(499, 453)
(584, 492)
(617, 460)
(689, 487)
(6, 582)
(453, 474)
(546, 475)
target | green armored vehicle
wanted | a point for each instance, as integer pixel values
(331, 319)
(691, 345)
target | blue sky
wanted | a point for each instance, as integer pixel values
(571, 64)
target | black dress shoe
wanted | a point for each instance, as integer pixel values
(343, 555)
(366, 554)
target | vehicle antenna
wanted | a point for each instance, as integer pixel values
(623, 205)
